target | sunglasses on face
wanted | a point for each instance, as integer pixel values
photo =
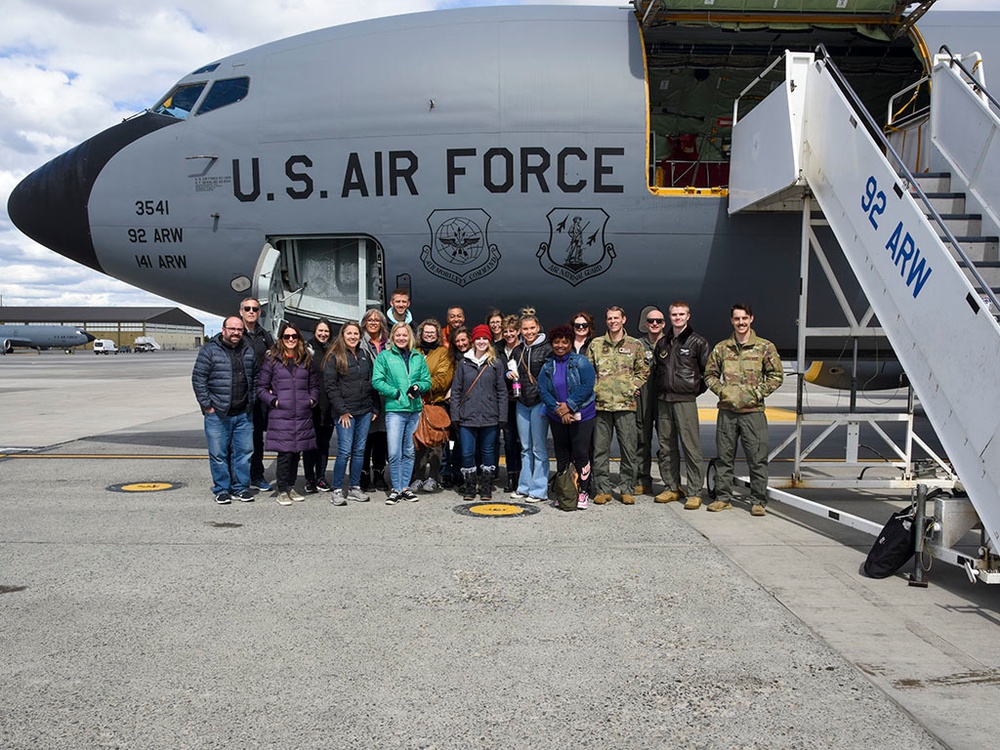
(581, 326)
(290, 336)
(655, 321)
(250, 308)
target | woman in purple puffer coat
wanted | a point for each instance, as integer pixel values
(289, 387)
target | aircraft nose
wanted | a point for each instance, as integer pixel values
(50, 205)
(90, 336)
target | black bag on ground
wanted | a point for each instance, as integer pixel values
(564, 489)
(894, 547)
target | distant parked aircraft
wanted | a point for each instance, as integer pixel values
(42, 337)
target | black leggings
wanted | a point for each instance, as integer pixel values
(286, 469)
(376, 452)
(314, 461)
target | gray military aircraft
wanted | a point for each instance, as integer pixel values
(42, 337)
(564, 158)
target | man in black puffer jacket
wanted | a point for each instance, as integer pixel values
(678, 375)
(223, 381)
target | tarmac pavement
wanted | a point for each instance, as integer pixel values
(159, 619)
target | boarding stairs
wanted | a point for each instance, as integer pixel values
(811, 140)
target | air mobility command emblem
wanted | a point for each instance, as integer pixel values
(460, 250)
(576, 250)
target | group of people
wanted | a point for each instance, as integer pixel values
(504, 381)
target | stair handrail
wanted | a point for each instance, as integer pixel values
(975, 82)
(754, 82)
(903, 171)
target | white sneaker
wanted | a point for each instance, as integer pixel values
(337, 497)
(533, 499)
(515, 495)
(295, 496)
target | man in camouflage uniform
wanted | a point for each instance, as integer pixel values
(620, 363)
(742, 371)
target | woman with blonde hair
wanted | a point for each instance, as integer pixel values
(347, 374)
(400, 374)
(532, 424)
(289, 386)
(479, 406)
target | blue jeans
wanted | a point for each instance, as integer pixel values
(399, 429)
(486, 438)
(230, 445)
(351, 444)
(532, 427)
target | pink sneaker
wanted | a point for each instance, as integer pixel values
(582, 502)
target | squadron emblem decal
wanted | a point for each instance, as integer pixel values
(460, 251)
(576, 250)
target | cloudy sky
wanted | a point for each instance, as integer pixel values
(70, 68)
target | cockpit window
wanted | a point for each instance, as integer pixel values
(207, 69)
(226, 91)
(179, 102)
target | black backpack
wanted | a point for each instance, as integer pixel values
(894, 547)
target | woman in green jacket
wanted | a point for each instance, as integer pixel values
(400, 374)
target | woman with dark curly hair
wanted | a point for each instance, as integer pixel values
(566, 386)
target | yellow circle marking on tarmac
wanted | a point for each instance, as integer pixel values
(146, 486)
(496, 509)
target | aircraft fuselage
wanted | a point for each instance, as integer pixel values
(485, 157)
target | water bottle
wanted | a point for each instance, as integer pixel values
(516, 388)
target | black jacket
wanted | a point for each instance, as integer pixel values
(529, 361)
(260, 340)
(478, 393)
(351, 393)
(678, 369)
(322, 409)
(212, 377)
